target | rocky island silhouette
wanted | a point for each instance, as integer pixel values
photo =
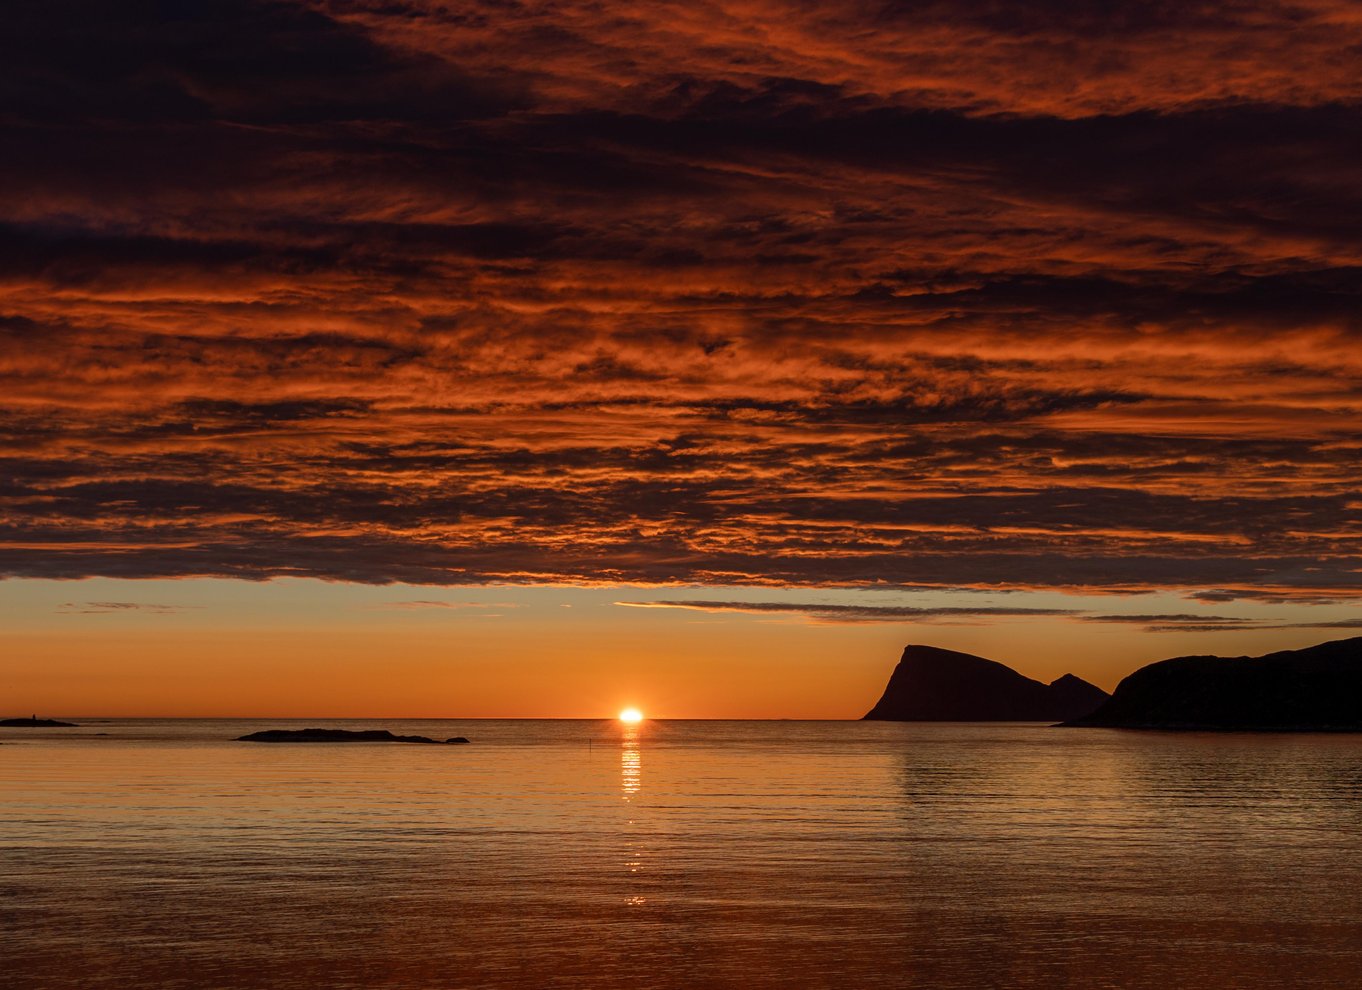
(34, 722)
(1316, 689)
(315, 735)
(935, 685)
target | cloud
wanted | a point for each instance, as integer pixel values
(106, 608)
(937, 295)
(1172, 620)
(419, 604)
(822, 612)
(833, 613)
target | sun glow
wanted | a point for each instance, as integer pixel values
(631, 715)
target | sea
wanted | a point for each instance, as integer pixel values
(591, 854)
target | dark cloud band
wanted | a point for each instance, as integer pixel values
(471, 293)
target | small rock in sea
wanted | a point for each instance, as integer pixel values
(335, 736)
(457, 739)
(35, 722)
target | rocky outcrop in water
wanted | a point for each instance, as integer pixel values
(934, 685)
(1316, 689)
(340, 736)
(36, 723)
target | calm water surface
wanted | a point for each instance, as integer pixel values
(679, 854)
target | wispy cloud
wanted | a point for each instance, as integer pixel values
(1173, 619)
(420, 604)
(850, 614)
(105, 608)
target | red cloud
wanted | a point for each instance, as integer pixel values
(966, 297)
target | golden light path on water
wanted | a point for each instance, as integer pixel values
(760, 855)
(631, 782)
(631, 761)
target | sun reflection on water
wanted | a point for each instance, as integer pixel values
(631, 762)
(631, 780)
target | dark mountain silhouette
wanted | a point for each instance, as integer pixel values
(1314, 689)
(932, 685)
(35, 722)
(339, 736)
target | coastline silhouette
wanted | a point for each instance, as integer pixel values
(1316, 689)
(935, 685)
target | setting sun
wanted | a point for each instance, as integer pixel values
(631, 715)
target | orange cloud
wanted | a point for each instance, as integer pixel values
(972, 296)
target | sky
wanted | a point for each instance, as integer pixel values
(362, 358)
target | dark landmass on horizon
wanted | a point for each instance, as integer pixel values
(1316, 689)
(340, 736)
(935, 685)
(36, 723)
